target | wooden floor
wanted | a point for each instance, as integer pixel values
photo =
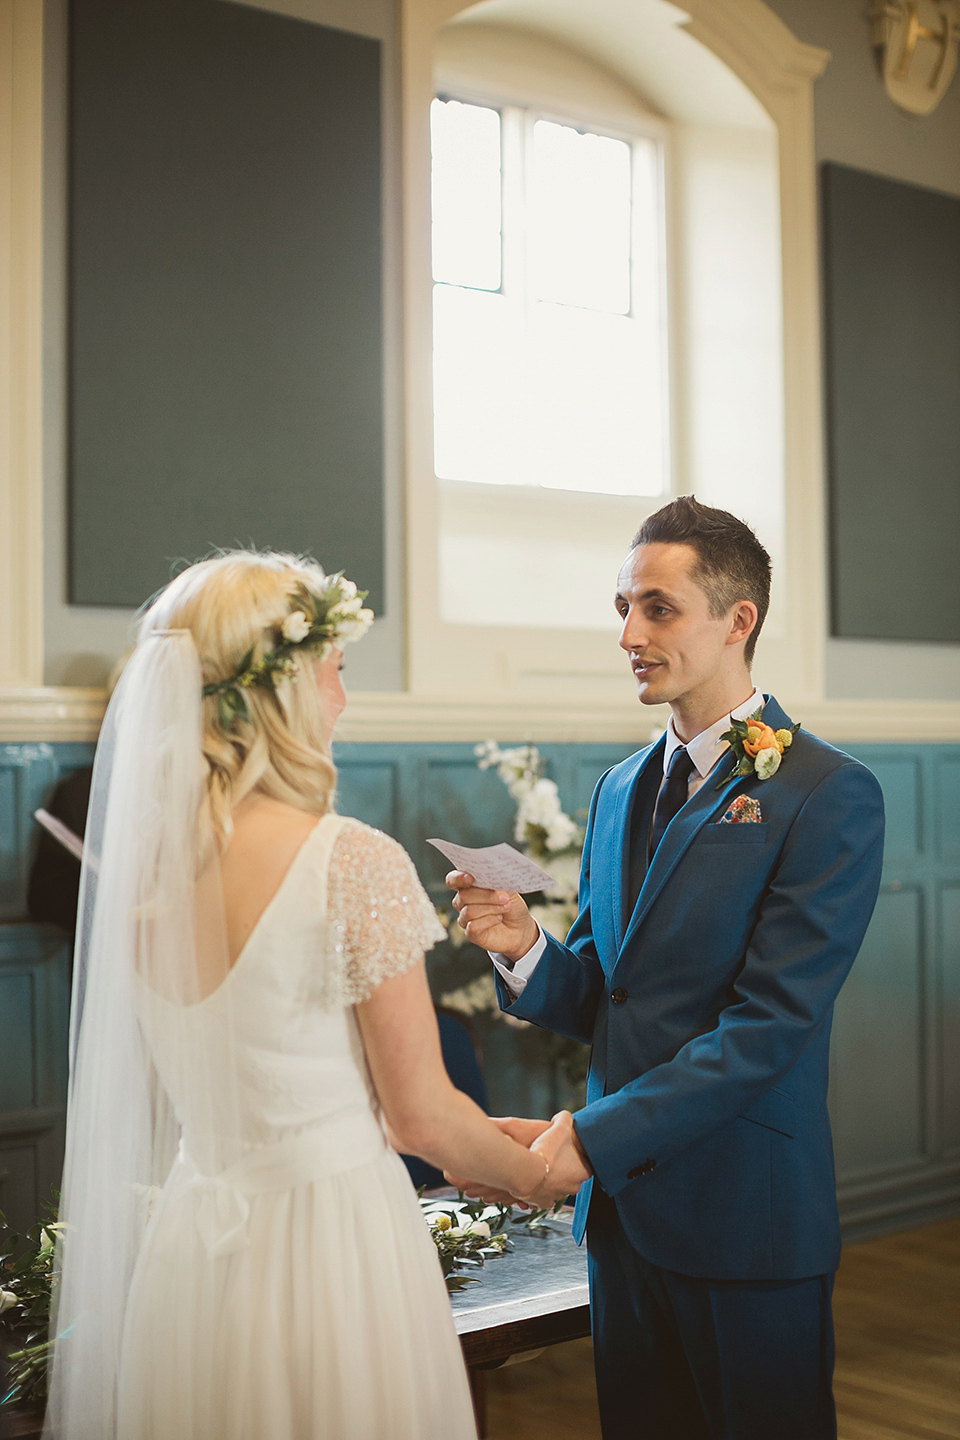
(897, 1309)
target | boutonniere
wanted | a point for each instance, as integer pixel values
(758, 749)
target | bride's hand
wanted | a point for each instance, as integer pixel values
(525, 1132)
(493, 919)
(476, 1191)
(568, 1164)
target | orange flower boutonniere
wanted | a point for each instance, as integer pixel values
(758, 748)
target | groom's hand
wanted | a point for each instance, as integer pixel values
(569, 1165)
(493, 919)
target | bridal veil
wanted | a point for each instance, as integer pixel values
(151, 919)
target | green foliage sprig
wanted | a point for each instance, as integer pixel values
(27, 1280)
(469, 1232)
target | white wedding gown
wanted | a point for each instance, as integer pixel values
(296, 1294)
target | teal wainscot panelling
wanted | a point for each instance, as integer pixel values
(895, 1086)
(34, 991)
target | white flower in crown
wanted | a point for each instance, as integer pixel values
(478, 1227)
(346, 608)
(295, 628)
(352, 627)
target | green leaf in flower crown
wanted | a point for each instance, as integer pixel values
(232, 706)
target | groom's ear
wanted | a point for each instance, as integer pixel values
(743, 621)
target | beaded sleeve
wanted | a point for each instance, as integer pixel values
(381, 919)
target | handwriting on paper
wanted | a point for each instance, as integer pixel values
(496, 867)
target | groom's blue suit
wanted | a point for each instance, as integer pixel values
(709, 1010)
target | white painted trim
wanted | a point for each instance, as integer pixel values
(21, 208)
(780, 70)
(476, 663)
(36, 714)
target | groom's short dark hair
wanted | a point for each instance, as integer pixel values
(731, 563)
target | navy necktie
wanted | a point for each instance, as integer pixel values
(672, 795)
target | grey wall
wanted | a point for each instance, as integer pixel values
(82, 642)
(856, 124)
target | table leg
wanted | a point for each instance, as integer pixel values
(478, 1389)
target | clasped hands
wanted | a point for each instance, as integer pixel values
(500, 921)
(556, 1140)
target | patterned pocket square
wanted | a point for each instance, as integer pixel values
(744, 811)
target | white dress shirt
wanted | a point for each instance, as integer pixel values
(705, 751)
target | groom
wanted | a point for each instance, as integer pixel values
(719, 916)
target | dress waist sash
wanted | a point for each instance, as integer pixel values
(341, 1143)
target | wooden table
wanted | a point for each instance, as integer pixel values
(534, 1296)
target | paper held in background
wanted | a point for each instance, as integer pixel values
(496, 867)
(60, 832)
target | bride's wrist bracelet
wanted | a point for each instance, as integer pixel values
(546, 1173)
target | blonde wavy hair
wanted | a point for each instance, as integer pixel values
(233, 604)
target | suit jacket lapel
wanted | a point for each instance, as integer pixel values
(619, 856)
(685, 826)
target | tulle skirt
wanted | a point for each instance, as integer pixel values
(332, 1322)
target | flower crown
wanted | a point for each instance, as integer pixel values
(331, 615)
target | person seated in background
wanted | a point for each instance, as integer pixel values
(53, 887)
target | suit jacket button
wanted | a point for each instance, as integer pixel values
(618, 996)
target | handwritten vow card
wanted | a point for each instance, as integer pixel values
(496, 867)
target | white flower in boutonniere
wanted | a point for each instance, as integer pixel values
(758, 748)
(295, 628)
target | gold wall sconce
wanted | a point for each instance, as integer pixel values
(917, 41)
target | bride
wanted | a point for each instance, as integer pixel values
(243, 1255)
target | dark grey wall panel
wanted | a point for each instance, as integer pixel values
(892, 274)
(225, 348)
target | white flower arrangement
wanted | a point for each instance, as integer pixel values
(542, 826)
(545, 831)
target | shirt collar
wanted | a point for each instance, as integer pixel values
(706, 748)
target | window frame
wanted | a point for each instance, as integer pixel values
(572, 653)
(517, 122)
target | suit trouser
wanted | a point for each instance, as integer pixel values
(679, 1358)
